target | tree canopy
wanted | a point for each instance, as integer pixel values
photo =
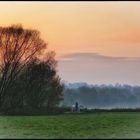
(25, 79)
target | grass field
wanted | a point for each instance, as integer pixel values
(96, 125)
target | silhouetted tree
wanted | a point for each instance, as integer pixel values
(42, 84)
(26, 80)
(17, 47)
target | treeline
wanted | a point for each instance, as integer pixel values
(105, 97)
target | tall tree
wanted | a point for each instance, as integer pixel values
(18, 47)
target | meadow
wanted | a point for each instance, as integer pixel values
(95, 125)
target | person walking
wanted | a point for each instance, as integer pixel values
(76, 107)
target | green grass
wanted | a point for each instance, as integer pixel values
(96, 125)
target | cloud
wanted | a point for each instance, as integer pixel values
(95, 56)
(127, 36)
(97, 68)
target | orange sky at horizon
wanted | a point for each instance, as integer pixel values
(107, 28)
(93, 41)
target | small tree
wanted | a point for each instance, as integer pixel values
(42, 88)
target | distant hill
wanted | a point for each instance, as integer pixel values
(102, 96)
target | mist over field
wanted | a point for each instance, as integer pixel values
(102, 96)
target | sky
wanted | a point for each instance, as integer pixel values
(95, 42)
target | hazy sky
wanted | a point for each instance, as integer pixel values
(95, 42)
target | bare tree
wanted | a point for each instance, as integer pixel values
(17, 47)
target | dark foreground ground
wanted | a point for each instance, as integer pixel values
(94, 125)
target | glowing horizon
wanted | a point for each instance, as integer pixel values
(107, 28)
